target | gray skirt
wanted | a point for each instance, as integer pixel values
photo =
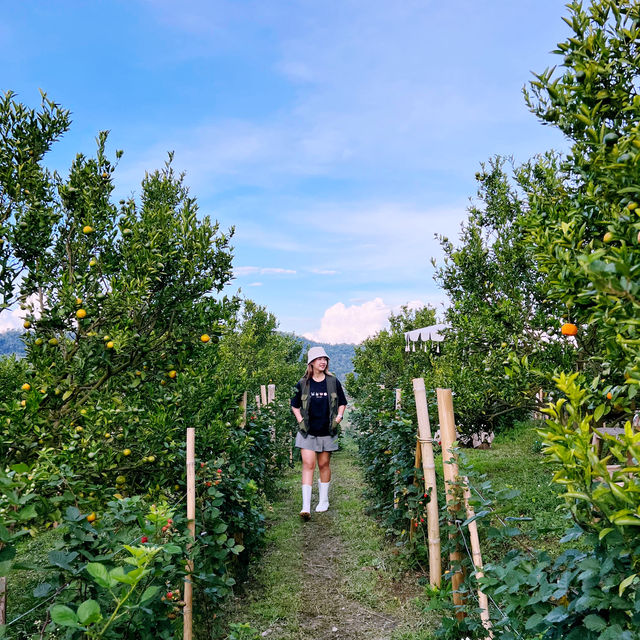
(317, 443)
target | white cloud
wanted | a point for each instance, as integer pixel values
(324, 272)
(276, 270)
(246, 271)
(11, 319)
(356, 322)
(255, 284)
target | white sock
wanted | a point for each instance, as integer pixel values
(306, 498)
(323, 503)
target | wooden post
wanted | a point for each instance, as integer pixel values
(3, 600)
(429, 468)
(257, 402)
(483, 601)
(271, 393)
(450, 468)
(191, 517)
(398, 399)
(243, 408)
(263, 394)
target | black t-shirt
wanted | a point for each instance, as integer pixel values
(318, 405)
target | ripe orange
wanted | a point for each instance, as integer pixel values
(26, 386)
(109, 345)
(173, 373)
(81, 313)
(608, 237)
(87, 229)
(126, 452)
(26, 324)
(92, 516)
(569, 329)
(78, 300)
(609, 395)
(205, 338)
(23, 403)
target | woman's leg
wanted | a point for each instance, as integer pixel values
(308, 465)
(324, 460)
(324, 481)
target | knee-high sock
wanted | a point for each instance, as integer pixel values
(323, 503)
(306, 498)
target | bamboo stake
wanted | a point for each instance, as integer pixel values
(398, 399)
(450, 468)
(3, 600)
(271, 393)
(257, 401)
(243, 408)
(263, 394)
(483, 601)
(191, 517)
(429, 468)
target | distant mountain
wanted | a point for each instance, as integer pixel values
(340, 355)
(10, 343)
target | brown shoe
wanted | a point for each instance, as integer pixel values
(305, 515)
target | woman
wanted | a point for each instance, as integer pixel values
(318, 406)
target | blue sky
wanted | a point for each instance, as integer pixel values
(338, 137)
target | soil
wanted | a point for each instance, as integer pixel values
(326, 612)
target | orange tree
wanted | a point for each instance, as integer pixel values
(504, 342)
(585, 229)
(115, 300)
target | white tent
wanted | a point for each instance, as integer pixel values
(432, 333)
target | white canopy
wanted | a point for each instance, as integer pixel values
(431, 333)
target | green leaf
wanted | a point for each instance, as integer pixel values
(42, 590)
(64, 616)
(89, 612)
(100, 574)
(534, 621)
(625, 583)
(172, 549)
(594, 622)
(149, 593)
(599, 412)
(62, 559)
(605, 532)
(5, 568)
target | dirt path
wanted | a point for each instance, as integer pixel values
(334, 577)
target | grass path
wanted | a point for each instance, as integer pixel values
(333, 577)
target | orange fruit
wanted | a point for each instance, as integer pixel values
(92, 516)
(569, 329)
(608, 237)
(78, 300)
(81, 313)
(53, 342)
(26, 386)
(87, 229)
(173, 373)
(109, 345)
(609, 395)
(126, 452)
(26, 324)
(205, 338)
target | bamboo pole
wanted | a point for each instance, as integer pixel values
(3, 600)
(429, 468)
(271, 393)
(263, 394)
(243, 408)
(398, 399)
(483, 601)
(450, 468)
(191, 517)
(257, 401)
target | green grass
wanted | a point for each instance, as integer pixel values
(21, 583)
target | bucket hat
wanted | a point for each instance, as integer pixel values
(316, 352)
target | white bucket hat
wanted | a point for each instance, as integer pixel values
(316, 352)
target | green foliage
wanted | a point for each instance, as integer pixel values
(504, 327)
(585, 225)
